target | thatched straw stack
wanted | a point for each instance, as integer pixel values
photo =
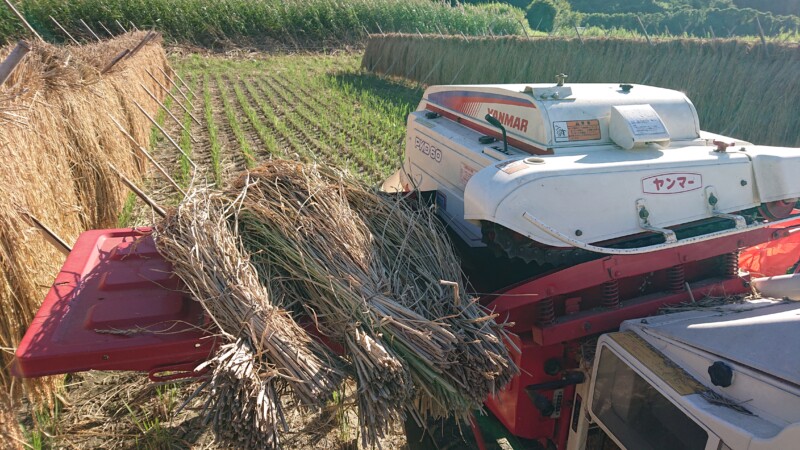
(266, 348)
(55, 143)
(367, 269)
(741, 89)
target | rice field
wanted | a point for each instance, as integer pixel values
(308, 108)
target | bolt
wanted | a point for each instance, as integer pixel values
(644, 213)
(578, 233)
(712, 200)
(743, 182)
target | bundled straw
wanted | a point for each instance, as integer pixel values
(267, 346)
(410, 243)
(317, 255)
(369, 270)
(244, 407)
(374, 274)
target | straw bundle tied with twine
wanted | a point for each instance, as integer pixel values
(365, 268)
(266, 346)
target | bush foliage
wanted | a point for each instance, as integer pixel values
(694, 22)
(541, 15)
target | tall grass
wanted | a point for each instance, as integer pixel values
(291, 22)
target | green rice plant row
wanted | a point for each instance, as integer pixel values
(186, 136)
(347, 125)
(264, 134)
(213, 132)
(306, 129)
(233, 122)
(331, 142)
(304, 107)
(270, 110)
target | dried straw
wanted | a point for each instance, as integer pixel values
(266, 346)
(368, 270)
(55, 142)
(411, 246)
(10, 433)
(323, 268)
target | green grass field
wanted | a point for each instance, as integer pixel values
(311, 108)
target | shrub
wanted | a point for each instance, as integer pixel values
(541, 15)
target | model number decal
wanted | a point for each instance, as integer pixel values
(672, 183)
(428, 149)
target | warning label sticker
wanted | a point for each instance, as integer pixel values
(647, 126)
(576, 130)
(512, 166)
(466, 173)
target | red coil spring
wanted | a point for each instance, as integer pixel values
(547, 311)
(611, 294)
(730, 265)
(676, 278)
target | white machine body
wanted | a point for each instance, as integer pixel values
(652, 384)
(585, 163)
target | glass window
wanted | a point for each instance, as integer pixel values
(637, 414)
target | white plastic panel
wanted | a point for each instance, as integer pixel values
(594, 196)
(777, 172)
(578, 116)
(637, 125)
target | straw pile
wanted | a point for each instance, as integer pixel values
(10, 434)
(55, 142)
(725, 79)
(365, 269)
(266, 347)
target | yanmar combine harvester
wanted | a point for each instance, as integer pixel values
(580, 212)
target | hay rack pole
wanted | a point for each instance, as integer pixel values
(13, 60)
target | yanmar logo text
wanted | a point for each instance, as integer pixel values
(510, 120)
(672, 183)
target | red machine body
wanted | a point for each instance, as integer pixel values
(115, 305)
(553, 313)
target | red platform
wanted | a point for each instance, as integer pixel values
(115, 305)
